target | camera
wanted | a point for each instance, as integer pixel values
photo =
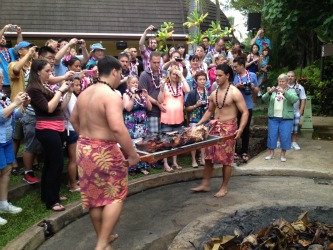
(179, 59)
(26, 97)
(3, 96)
(137, 91)
(79, 41)
(13, 27)
(247, 88)
(154, 29)
(203, 103)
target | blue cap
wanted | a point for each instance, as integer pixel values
(96, 46)
(23, 44)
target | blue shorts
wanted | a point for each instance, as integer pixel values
(71, 138)
(6, 154)
(170, 128)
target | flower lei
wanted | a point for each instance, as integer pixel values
(5, 54)
(178, 89)
(5, 103)
(248, 77)
(152, 77)
(252, 57)
(68, 57)
(53, 88)
(279, 96)
(140, 101)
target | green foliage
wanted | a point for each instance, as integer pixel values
(320, 91)
(213, 32)
(247, 6)
(163, 34)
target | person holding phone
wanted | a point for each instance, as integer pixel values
(50, 130)
(8, 55)
(152, 46)
(136, 103)
(74, 64)
(176, 60)
(261, 40)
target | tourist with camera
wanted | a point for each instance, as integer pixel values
(64, 52)
(247, 83)
(8, 111)
(176, 60)
(152, 46)
(136, 104)
(196, 105)
(8, 55)
(50, 130)
(280, 116)
(18, 72)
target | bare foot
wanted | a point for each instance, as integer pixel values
(113, 237)
(201, 188)
(144, 171)
(221, 193)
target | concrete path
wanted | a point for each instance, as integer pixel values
(162, 212)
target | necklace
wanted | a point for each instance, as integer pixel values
(240, 78)
(178, 89)
(225, 96)
(5, 54)
(99, 80)
(140, 101)
(158, 77)
(252, 57)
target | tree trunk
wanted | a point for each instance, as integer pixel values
(193, 5)
(218, 13)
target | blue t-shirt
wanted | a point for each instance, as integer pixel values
(60, 69)
(4, 65)
(262, 42)
(253, 78)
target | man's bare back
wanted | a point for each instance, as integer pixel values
(94, 106)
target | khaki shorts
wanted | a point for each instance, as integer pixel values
(18, 132)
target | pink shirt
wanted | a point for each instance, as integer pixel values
(174, 107)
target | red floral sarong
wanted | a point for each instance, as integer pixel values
(222, 153)
(103, 179)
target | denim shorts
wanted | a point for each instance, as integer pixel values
(6, 154)
(71, 138)
(171, 127)
(31, 144)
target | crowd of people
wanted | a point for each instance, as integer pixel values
(45, 91)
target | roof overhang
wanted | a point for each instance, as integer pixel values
(86, 35)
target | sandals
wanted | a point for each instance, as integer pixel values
(63, 198)
(245, 157)
(169, 170)
(57, 207)
(177, 167)
(236, 157)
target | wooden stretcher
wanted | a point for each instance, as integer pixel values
(154, 157)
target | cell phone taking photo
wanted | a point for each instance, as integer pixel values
(179, 59)
(89, 72)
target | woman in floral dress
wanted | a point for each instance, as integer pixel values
(136, 103)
